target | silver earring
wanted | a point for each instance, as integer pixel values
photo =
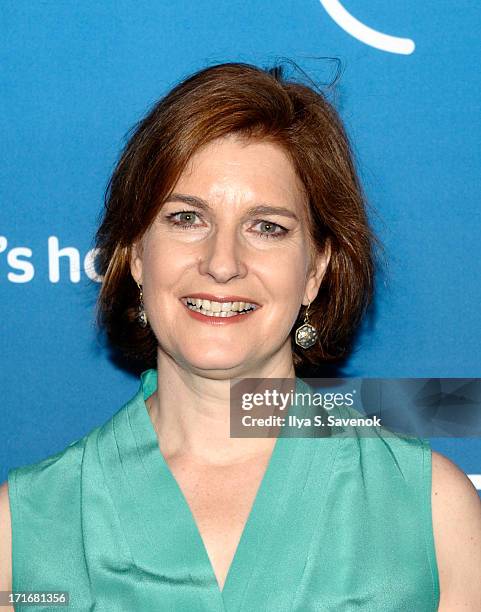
(306, 334)
(141, 314)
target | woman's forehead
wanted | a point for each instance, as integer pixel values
(232, 149)
(235, 170)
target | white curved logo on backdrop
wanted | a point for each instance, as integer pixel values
(385, 42)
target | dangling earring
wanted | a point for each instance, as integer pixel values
(141, 315)
(306, 334)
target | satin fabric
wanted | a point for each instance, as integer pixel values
(339, 523)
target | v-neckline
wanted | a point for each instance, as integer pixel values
(160, 526)
(149, 386)
(183, 502)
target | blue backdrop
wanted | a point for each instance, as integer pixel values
(77, 76)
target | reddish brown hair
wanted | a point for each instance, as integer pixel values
(253, 103)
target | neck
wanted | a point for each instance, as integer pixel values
(191, 413)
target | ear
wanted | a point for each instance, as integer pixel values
(136, 262)
(318, 270)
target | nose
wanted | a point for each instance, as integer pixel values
(222, 258)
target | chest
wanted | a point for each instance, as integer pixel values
(220, 500)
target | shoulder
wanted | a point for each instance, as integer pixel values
(456, 513)
(35, 489)
(59, 473)
(29, 480)
(31, 494)
(63, 463)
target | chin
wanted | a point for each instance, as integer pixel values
(214, 360)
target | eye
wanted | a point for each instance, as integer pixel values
(270, 228)
(186, 221)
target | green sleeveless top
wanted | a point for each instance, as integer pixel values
(339, 523)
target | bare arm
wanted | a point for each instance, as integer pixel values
(5, 543)
(456, 510)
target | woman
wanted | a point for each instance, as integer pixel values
(233, 213)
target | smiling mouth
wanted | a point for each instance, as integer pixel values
(210, 308)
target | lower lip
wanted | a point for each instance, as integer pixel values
(213, 320)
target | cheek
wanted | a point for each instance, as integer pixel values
(162, 262)
(284, 274)
(159, 279)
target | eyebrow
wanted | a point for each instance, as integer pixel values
(258, 209)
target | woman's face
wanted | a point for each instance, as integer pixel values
(209, 238)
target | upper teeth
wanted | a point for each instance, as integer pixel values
(219, 306)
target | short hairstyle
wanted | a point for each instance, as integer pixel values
(253, 103)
